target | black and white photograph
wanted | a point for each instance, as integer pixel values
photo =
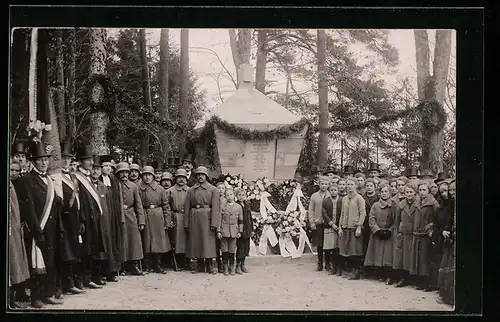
(180, 169)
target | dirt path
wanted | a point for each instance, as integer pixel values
(293, 286)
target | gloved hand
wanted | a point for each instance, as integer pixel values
(141, 227)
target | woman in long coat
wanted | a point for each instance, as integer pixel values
(380, 247)
(446, 277)
(403, 241)
(202, 217)
(154, 199)
(423, 226)
(18, 259)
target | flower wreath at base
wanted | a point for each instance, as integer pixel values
(285, 228)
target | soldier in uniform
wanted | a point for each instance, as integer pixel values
(73, 223)
(134, 220)
(177, 198)
(202, 217)
(188, 165)
(166, 180)
(40, 209)
(135, 173)
(157, 219)
(93, 243)
(116, 218)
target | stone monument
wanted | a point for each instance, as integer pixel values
(248, 108)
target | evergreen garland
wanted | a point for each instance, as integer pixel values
(207, 134)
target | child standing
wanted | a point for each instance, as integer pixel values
(316, 216)
(243, 243)
(351, 227)
(332, 207)
(423, 228)
(229, 230)
(221, 187)
(380, 246)
(342, 187)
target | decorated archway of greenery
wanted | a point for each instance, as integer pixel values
(206, 137)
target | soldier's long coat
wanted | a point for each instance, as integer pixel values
(116, 222)
(18, 259)
(104, 221)
(382, 216)
(32, 193)
(134, 216)
(202, 211)
(177, 199)
(71, 217)
(156, 213)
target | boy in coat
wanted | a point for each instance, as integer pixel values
(315, 215)
(230, 229)
(332, 207)
(243, 243)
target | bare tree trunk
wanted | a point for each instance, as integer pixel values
(323, 100)
(287, 91)
(60, 86)
(146, 92)
(99, 120)
(422, 54)
(164, 137)
(183, 94)
(434, 88)
(71, 86)
(233, 41)
(260, 70)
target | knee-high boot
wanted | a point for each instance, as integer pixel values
(320, 258)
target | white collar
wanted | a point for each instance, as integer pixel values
(39, 172)
(85, 172)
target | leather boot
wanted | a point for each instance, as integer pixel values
(238, 267)
(159, 269)
(243, 267)
(226, 266)
(232, 270)
(135, 269)
(199, 267)
(210, 266)
(13, 303)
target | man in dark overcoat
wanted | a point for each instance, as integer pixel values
(40, 210)
(202, 217)
(134, 220)
(93, 244)
(116, 219)
(73, 224)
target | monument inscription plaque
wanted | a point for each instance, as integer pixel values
(259, 159)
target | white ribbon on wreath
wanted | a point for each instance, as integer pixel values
(287, 246)
(268, 233)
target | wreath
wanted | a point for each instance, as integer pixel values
(108, 104)
(428, 108)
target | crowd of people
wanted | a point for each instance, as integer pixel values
(115, 219)
(399, 230)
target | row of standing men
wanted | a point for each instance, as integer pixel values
(111, 220)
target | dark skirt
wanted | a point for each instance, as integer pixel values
(446, 277)
(349, 244)
(243, 249)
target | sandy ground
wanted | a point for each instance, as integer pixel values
(295, 286)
